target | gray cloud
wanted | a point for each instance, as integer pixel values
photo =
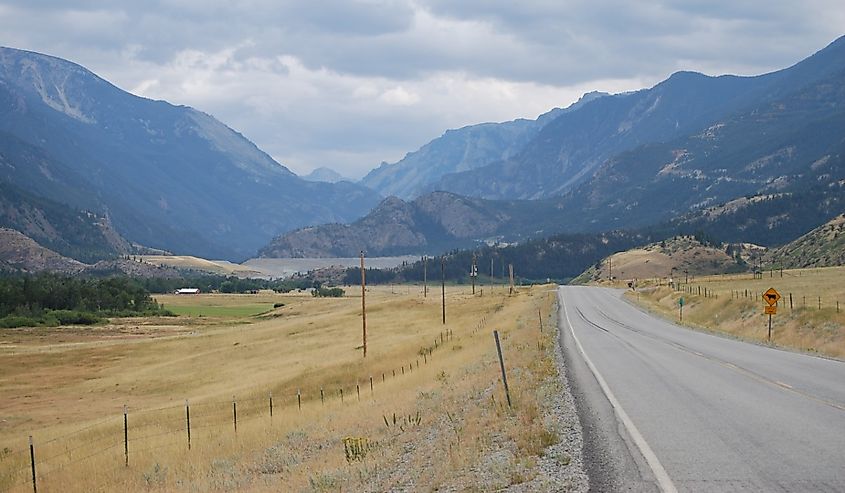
(350, 83)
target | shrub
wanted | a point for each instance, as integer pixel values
(73, 317)
(12, 321)
(328, 292)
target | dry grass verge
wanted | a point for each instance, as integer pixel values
(734, 305)
(441, 423)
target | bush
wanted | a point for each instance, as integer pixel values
(73, 317)
(328, 292)
(50, 318)
(12, 321)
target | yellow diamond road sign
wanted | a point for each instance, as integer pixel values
(771, 297)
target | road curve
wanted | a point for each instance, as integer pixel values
(666, 408)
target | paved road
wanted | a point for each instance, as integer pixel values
(666, 408)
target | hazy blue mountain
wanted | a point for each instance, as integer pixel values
(790, 144)
(168, 176)
(325, 174)
(463, 149)
(570, 149)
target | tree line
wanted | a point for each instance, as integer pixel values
(558, 258)
(224, 284)
(49, 300)
(54, 299)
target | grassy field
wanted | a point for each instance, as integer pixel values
(734, 305)
(219, 305)
(434, 414)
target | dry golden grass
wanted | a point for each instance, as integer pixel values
(220, 267)
(729, 309)
(67, 388)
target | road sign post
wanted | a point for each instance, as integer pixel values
(681, 309)
(771, 297)
(473, 272)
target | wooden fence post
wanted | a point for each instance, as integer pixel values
(235, 413)
(188, 422)
(502, 365)
(32, 463)
(125, 437)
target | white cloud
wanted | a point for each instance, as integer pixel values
(398, 96)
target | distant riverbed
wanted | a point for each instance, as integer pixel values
(286, 267)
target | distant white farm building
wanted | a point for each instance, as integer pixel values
(188, 291)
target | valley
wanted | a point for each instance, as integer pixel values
(569, 300)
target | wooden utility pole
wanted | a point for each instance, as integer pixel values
(425, 276)
(443, 286)
(491, 273)
(364, 301)
(510, 275)
(610, 268)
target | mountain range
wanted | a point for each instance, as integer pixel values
(92, 172)
(659, 159)
(566, 148)
(460, 150)
(169, 177)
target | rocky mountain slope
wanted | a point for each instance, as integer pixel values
(459, 150)
(440, 221)
(82, 235)
(789, 144)
(579, 146)
(428, 224)
(167, 176)
(770, 219)
(821, 247)
(19, 252)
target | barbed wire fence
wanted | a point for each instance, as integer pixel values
(26, 467)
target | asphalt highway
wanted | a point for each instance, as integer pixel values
(665, 408)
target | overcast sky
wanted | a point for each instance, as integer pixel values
(348, 84)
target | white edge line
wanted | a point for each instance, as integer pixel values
(663, 479)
